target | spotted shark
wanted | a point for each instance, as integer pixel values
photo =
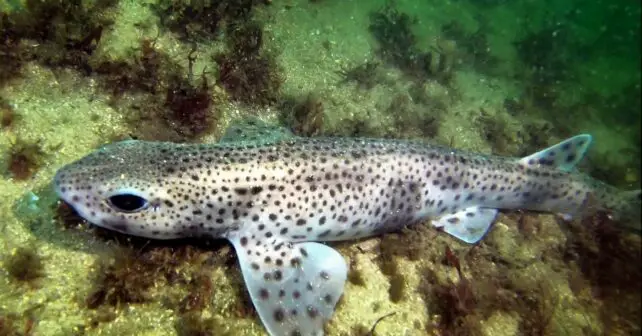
(274, 196)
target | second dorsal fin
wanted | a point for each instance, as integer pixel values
(563, 156)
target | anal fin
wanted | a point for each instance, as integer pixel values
(469, 225)
(294, 287)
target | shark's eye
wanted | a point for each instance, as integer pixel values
(127, 202)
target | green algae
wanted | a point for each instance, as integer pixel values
(24, 264)
(526, 277)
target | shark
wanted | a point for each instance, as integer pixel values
(277, 197)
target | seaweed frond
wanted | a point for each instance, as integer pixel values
(24, 264)
(393, 30)
(206, 19)
(8, 115)
(25, 158)
(190, 112)
(248, 72)
(305, 116)
(365, 75)
(398, 46)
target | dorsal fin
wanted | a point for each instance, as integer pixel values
(563, 156)
(254, 130)
(293, 286)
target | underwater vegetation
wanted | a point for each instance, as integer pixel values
(128, 276)
(546, 62)
(24, 264)
(8, 115)
(193, 324)
(25, 158)
(189, 105)
(365, 75)
(204, 19)
(462, 305)
(14, 325)
(247, 71)
(177, 274)
(398, 46)
(176, 104)
(66, 32)
(485, 284)
(475, 47)
(147, 71)
(179, 105)
(67, 217)
(304, 116)
(124, 280)
(408, 115)
(134, 267)
(392, 29)
(550, 66)
(609, 261)
(11, 57)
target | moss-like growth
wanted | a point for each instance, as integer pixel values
(179, 108)
(305, 116)
(24, 159)
(398, 45)
(101, 315)
(412, 243)
(24, 264)
(147, 71)
(409, 117)
(8, 115)
(8, 325)
(130, 275)
(397, 288)
(193, 324)
(393, 30)
(546, 62)
(248, 72)
(610, 261)
(189, 105)
(67, 217)
(454, 302)
(356, 277)
(11, 53)
(124, 279)
(496, 131)
(199, 293)
(475, 46)
(365, 75)
(204, 19)
(67, 32)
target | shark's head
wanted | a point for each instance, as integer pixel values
(127, 187)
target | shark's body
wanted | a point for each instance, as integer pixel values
(272, 198)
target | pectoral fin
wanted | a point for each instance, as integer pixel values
(294, 287)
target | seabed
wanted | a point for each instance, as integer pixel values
(496, 77)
